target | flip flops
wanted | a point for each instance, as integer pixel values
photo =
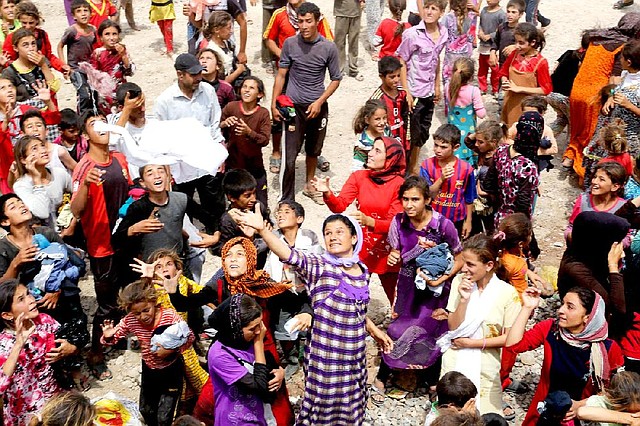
(323, 164)
(316, 196)
(621, 4)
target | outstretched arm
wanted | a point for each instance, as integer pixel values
(255, 220)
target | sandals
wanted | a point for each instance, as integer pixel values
(505, 407)
(316, 196)
(100, 371)
(82, 383)
(376, 395)
(274, 164)
(621, 4)
(323, 164)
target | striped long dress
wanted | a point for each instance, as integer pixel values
(336, 386)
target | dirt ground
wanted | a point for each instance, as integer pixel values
(155, 73)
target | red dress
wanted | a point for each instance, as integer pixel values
(377, 201)
(539, 335)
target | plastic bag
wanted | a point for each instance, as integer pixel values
(114, 410)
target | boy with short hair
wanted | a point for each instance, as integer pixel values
(452, 183)
(395, 98)
(70, 136)
(504, 40)
(455, 393)
(419, 52)
(100, 186)
(491, 17)
(155, 221)
(294, 303)
(240, 188)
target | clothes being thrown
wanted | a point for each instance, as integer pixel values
(434, 263)
(57, 272)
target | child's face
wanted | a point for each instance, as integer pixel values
(338, 239)
(252, 330)
(235, 262)
(513, 15)
(209, 62)
(246, 200)
(250, 91)
(81, 15)
(377, 156)
(443, 150)
(286, 217)
(154, 178)
(34, 126)
(37, 152)
(8, 11)
(145, 312)
(70, 134)
(110, 37)
(414, 203)
(166, 267)
(25, 46)
(391, 80)
(225, 31)
(377, 121)
(23, 303)
(601, 184)
(431, 14)
(625, 63)
(7, 92)
(28, 22)
(16, 212)
(523, 45)
(483, 145)
(98, 138)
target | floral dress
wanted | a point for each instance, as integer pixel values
(32, 383)
(517, 183)
(460, 44)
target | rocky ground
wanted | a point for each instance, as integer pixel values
(155, 73)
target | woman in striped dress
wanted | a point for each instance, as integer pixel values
(338, 283)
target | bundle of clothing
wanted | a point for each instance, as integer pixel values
(434, 263)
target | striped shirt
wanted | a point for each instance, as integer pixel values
(455, 193)
(130, 325)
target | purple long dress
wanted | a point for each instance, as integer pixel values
(414, 332)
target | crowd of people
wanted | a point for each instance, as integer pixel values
(107, 187)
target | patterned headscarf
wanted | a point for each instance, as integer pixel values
(254, 283)
(527, 141)
(226, 320)
(612, 38)
(395, 163)
(594, 334)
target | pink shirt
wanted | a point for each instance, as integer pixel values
(467, 95)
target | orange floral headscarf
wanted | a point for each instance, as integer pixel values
(253, 283)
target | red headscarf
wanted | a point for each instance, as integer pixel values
(394, 165)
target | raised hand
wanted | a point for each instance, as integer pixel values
(108, 330)
(146, 270)
(465, 289)
(320, 184)
(250, 219)
(530, 298)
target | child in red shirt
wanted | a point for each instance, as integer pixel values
(389, 32)
(101, 10)
(395, 98)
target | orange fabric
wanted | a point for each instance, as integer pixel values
(253, 283)
(584, 102)
(516, 267)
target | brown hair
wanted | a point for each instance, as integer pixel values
(19, 35)
(616, 172)
(20, 152)
(68, 409)
(517, 229)
(492, 130)
(535, 101)
(218, 19)
(29, 9)
(219, 60)
(136, 292)
(396, 7)
(459, 8)
(623, 392)
(614, 136)
(487, 249)
(449, 417)
(531, 34)
(366, 111)
(440, 4)
(462, 73)
(160, 253)
(631, 52)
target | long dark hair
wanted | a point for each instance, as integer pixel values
(7, 292)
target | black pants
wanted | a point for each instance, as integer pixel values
(160, 392)
(107, 284)
(311, 133)
(87, 97)
(420, 123)
(211, 198)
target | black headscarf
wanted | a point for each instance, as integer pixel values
(591, 239)
(527, 141)
(612, 38)
(226, 320)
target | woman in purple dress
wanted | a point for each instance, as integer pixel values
(419, 316)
